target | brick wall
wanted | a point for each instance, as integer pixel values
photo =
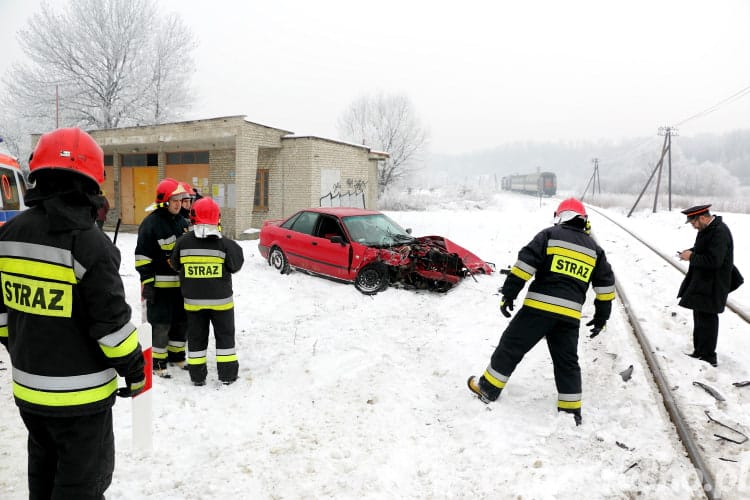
(301, 161)
(236, 149)
(221, 172)
(353, 166)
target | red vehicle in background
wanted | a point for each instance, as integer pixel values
(367, 248)
(12, 188)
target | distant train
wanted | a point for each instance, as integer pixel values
(541, 183)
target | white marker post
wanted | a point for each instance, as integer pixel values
(142, 403)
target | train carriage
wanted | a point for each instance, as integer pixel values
(541, 183)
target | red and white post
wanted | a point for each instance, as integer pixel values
(142, 404)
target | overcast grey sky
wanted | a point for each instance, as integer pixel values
(480, 73)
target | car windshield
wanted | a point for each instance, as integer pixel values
(376, 230)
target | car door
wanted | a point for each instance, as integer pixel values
(331, 258)
(297, 241)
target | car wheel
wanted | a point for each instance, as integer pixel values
(372, 279)
(278, 261)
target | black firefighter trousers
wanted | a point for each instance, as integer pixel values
(70, 457)
(524, 331)
(198, 323)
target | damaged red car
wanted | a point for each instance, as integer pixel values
(367, 248)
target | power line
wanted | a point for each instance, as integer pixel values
(734, 97)
(737, 95)
(630, 153)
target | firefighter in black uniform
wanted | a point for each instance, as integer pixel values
(563, 259)
(708, 280)
(178, 331)
(187, 200)
(65, 322)
(206, 261)
(160, 283)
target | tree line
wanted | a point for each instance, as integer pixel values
(104, 64)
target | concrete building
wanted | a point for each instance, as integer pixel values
(253, 171)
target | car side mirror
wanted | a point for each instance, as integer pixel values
(408, 230)
(338, 239)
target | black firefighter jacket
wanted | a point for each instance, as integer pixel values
(63, 317)
(206, 266)
(563, 260)
(706, 284)
(157, 236)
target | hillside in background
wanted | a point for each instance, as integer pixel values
(704, 164)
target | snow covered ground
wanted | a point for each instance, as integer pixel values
(343, 395)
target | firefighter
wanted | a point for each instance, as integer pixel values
(206, 261)
(187, 200)
(563, 260)
(65, 322)
(160, 283)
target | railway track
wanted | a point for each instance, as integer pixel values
(716, 446)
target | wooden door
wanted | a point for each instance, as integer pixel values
(137, 189)
(127, 202)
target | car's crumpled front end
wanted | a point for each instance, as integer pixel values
(429, 262)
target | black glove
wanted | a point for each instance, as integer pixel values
(506, 305)
(148, 293)
(599, 325)
(133, 388)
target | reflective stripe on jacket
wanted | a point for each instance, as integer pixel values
(563, 260)
(206, 266)
(63, 317)
(157, 236)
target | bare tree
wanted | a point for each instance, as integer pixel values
(387, 123)
(100, 64)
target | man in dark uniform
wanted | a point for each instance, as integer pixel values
(160, 283)
(187, 200)
(65, 322)
(564, 260)
(707, 282)
(206, 260)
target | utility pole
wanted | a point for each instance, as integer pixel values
(669, 132)
(666, 150)
(593, 179)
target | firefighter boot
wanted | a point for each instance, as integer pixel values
(160, 368)
(575, 412)
(198, 373)
(482, 389)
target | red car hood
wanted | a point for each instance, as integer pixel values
(472, 262)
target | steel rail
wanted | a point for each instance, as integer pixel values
(683, 430)
(705, 475)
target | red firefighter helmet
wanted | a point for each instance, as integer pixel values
(205, 211)
(167, 188)
(68, 149)
(189, 191)
(570, 209)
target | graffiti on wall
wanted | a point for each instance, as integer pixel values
(350, 193)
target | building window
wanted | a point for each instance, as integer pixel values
(187, 158)
(140, 160)
(261, 190)
(109, 160)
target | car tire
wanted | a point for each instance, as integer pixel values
(278, 261)
(371, 279)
